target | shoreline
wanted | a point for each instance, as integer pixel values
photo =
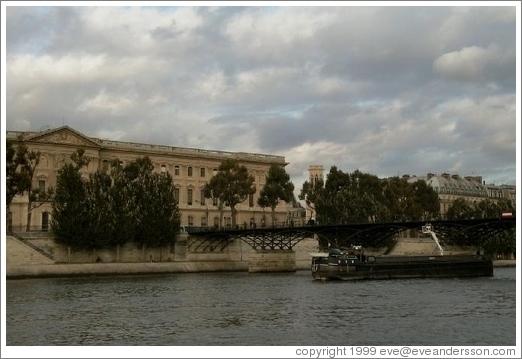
(144, 268)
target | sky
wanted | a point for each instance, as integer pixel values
(387, 90)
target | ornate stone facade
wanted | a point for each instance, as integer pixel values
(190, 168)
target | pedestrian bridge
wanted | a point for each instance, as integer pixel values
(465, 232)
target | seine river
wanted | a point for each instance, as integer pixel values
(208, 309)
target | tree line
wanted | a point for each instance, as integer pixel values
(109, 208)
(114, 206)
(359, 197)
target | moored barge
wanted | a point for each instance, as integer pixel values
(355, 265)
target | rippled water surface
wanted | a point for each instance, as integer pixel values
(260, 309)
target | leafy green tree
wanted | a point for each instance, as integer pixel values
(460, 209)
(21, 165)
(311, 194)
(216, 189)
(98, 189)
(351, 198)
(123, 209)
(231, 185)
(277, 188)
(70, 206)
(425, 202)
(157, 212)
(14, 182)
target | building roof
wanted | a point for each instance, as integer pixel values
(445, 183)
(50, 135)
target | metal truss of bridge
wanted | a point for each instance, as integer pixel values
(458, 232)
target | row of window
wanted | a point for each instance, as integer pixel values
(190, 171)
(163, 169)
(190, 198)
(190, 195)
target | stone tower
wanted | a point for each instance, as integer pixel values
(315, 173)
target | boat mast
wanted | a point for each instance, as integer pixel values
(427, 230)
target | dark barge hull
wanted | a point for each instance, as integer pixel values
(325, 268)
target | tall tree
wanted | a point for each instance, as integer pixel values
(98, 196)
(70, 206)
(12, 176)
(426, 201)
(21, 165)
(398, 197)
(277, 188)
(460, 209)
(122, 211)
(231, 185)
(157, 212)
(311, 194)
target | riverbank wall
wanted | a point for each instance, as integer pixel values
(23, 261)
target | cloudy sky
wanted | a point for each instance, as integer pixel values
(386, 90)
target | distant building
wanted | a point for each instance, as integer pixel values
(315, 174)
(471, 188)
(190, 168)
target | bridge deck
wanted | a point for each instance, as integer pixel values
(457, 232)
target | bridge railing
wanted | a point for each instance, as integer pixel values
(285, 224)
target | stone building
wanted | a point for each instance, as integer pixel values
(190, 168)
(471, 188)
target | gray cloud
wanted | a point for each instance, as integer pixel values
(388, 90)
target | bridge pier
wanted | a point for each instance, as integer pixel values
(272, 260)
(181, 247)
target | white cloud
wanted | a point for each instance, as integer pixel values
(467, 63)
(382, 89)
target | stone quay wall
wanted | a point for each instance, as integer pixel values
(187, 255)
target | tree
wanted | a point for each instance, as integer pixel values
(70, 207)
(122, 211)
(21, 165)
(107, 210)
(13, 185)
(311, 193)
(460, 209)
(231, 185)
(156, 213)
(350, 198)
(426, 201)
(98, 191)
(278, 187)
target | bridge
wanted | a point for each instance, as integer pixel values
(465, 232)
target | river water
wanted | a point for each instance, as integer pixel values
(208, 309)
